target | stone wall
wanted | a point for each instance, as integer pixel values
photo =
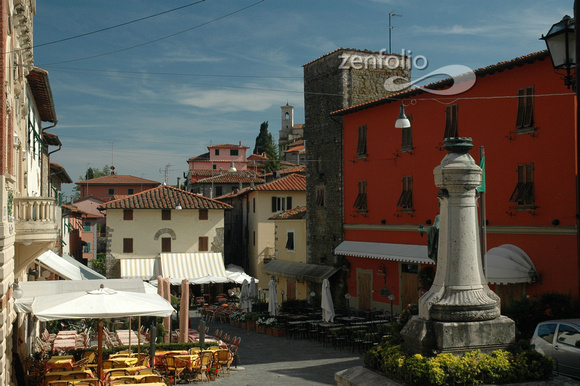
(340, 79)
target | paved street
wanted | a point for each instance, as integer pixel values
(269, 360)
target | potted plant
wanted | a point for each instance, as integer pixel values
(251, 318)
(278, 329)
(212, 372)
(261, 325)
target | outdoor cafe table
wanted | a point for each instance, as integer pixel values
(131, 370)
(75, 381)
(137, 378)
(158, 359)
(73, 372)
(65, 361)
(128, 361)
(190, 359)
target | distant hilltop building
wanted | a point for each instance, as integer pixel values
(290, 134)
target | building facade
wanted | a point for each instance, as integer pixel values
(521, 117)
(114, 186)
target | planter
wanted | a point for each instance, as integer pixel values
(238, 323)
(244, 325)
(279, 332)
(232, 322)
(212, 377)
(261, 329)
(251, 325)
(269, 330)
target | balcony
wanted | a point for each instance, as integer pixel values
(35, 220)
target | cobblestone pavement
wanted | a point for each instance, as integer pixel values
(269, 360)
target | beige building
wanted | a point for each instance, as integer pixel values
(161, 220)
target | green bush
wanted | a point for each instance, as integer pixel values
(472, 368)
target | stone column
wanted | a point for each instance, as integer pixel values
(459, 313)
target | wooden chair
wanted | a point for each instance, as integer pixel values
(108, 364)
(88, 382)
(202, 365)
(174, 366)
(147, 371)
(224, 359)
(151, 378)
(51, 377)
(116, 373)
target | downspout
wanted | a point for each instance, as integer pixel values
(50, 127)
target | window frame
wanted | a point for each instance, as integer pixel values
(281, 203)
(130, 191)
(360, 202)
(111, 191)
(203, 214)
(523, 193)
(525, 110)
(405, 201)
(166, 245)
(87, 226)
(290, 241)
(203, 244)
(127, 214)
(320, 196)
(234, 152)
(128, 245)
(165, 214)
(451, 127)
(361, 149)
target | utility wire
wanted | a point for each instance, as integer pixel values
(159, 39)
(118, 25)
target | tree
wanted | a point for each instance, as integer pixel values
(273, 164)
(263, 139)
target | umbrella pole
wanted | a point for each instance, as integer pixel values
(130, 332)
(139, 339)
(100, 350)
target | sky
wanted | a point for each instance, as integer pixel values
(143, 85)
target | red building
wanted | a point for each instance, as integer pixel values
(523, 115)
(111, 187)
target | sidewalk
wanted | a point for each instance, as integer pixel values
(269, 360)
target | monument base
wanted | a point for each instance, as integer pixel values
(429, 337)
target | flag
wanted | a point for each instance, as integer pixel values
(481, 188)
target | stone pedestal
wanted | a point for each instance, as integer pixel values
(460, 312)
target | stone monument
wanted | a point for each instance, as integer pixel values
(460, 313)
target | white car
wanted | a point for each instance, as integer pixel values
(560, 339)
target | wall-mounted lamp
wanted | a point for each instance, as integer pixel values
(402, 121)
(32, 272)
(17, 292)
(178, 206)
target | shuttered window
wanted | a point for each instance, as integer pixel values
(451, 121)
(127, 245)
(523, 193)
(406, 197)
(203, 244)
(525, 117)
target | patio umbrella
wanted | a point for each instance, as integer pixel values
(273, 298)
(209, 279)
(167, 321)
(327, 306)
(253, 292)
(103, 303)
(184, 312)
(244, 297)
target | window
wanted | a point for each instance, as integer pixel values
(166, 244)
(406, 198)
(320, 197)
(214, 167)
(290, 241)
(523, 194)
(217, 152)
(87, 248)
(254, 205)
(547, 331)
(568, 335)
(451, 121)
(203, 244)
(254, 238)
(111, 191)
(361, 199)
(165, 214)
(525, 118)
(130, 191)
(407, 135)
(219, 191)
(234, 152)
(127, 214)
(127, 245)
(280, 204)
(361, 149)
(87, 226)
(203, 214)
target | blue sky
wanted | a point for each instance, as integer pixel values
(155, 92)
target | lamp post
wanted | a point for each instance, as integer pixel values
(562, 41)
(347, 297)
(312, 293)
(391, 298)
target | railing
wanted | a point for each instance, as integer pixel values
(35, 209)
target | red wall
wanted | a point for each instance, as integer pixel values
(487, 113)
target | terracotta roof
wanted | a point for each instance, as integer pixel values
(291, 169)
(164, 197)
(349, 49)
(60, 172)
(228, 146)
(234, 193)
(291, 214)
(299, 148)
(117, 179)
(51, 139)
(258, 157)
(40, 87)
(242, 176)
(293, 182)
(201, 157)
(481, 72)
(119, 196)
(73, 208)
(204, 172)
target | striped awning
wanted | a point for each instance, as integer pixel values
(145, 269)
(53, 262)
(407, 253)
(300, 271)
(508, 264)
(179, 266)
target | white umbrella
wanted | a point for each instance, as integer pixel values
(253, 292)
(245, 297)
(103, 303)
(327, 306)
(209, 279)
(273, 298)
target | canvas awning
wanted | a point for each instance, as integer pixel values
(86, 272)
(145, 269)
(53, 262)
(299, 271)
(406, 253)
(508, 264)
(179, 266)
(32, 289)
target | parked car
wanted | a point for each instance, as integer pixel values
(560, 339)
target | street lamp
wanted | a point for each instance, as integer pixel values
(402, 120)
(347, 297)
(561, 43)
(391, 298)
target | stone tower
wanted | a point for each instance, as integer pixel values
(337, 80)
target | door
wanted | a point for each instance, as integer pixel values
(291, 289)
(409, 284)
(566, 351)
(364, 290)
